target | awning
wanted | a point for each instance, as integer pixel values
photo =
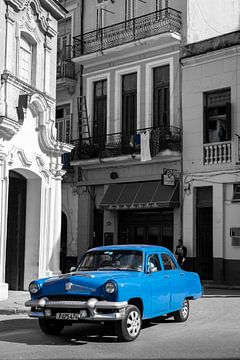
(140, 195)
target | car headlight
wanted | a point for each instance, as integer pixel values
(110, 287)
(34, 287)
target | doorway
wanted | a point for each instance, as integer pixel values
(16, 224)
(63, 248)
(204, 233)
(146, 227)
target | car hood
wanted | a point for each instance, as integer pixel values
(82, 283)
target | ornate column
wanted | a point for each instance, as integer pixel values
(57, 220)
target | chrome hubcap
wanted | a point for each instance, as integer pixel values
(185, 309)
(133, 323)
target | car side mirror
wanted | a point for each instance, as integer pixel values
(73, 268)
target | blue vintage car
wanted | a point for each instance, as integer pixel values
(119, 285)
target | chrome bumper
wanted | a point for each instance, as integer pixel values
(93, 307)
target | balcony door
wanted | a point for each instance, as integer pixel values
(161, 96)
(129, 107)
(100, 112)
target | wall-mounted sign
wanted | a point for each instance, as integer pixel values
(168, 178)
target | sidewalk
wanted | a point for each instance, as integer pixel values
(15, 303)
(16, 299)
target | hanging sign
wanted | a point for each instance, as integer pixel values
(168, 178)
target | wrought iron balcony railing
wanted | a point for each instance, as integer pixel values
(125, 32)
(117, 144)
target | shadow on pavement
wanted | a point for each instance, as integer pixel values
(26, 331)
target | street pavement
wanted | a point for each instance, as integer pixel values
(211, 332)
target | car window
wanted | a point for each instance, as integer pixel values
(112, 260)
(153, 263)
(168, 263)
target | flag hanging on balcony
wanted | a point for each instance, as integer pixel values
(145, 146)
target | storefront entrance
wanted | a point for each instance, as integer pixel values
(204, 233)
(16, 221)
(153, 227)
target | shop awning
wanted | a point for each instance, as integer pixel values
(140, 195)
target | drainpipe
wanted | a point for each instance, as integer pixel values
(181, 161)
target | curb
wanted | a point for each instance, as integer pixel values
(13, 311)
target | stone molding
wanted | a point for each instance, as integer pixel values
(44, 20)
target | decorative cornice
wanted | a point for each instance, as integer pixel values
(35, 7)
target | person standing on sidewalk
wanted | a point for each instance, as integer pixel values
(181, 252)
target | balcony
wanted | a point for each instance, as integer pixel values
(217, 153)
(66, 76)
(159, 22)
(118, 144)
(65, 69)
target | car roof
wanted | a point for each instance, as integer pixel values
(141, 247)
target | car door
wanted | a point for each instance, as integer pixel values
(159, 285)
(176, 277)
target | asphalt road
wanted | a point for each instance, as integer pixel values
(211, 332)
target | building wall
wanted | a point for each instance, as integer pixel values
(211, 71)
(115, 11)
(67, 92)
(207, 19)
(28, 144)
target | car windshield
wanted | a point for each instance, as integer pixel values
(112, 260)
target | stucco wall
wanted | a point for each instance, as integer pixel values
(207, 19)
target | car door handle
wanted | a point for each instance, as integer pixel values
(166, 276)
(181, 274)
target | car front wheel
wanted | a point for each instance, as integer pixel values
(51, 327)
(182, 314)
(129, 328)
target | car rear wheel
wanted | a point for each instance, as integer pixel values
(129, 328)
(51, 327)
(182, 314)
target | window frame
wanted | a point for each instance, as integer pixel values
(211, 133)
(25, 38)
(173, 262)
(236, 192)
(65, 122)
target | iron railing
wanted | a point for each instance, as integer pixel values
(134, 29)
(117, 144)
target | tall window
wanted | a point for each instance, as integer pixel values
(161, 114)
(25, 60)
(129, 9)
(100, 111)
(64, 40)
(129, 103)
(161, 4)
(217, 116)
(64, 123)
(100, 16)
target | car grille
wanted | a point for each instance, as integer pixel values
(70, 298)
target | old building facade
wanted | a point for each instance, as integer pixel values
(138, 80)
(30, 155)
(127, 158)
(211, 165)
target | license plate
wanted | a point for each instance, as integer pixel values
(67, 316)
